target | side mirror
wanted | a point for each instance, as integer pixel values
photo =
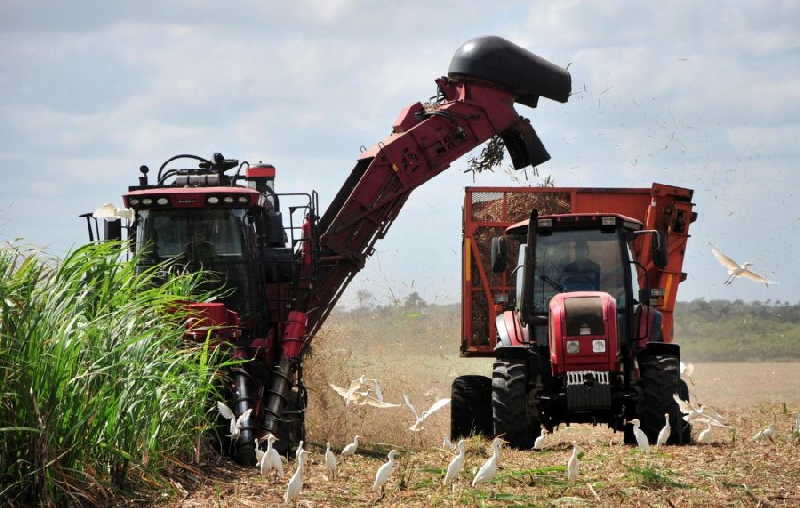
(499, 253)
(112, 229)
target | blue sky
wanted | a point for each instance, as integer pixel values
(703, 96)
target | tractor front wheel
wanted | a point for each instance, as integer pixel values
(514, 417)
(659, 381)
(471, 407)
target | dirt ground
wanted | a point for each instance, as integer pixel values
(729, 470)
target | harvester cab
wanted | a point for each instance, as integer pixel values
(578, 338)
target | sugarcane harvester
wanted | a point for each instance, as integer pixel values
(283, 280)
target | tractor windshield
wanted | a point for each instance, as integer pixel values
(191, 232)
(578, 260)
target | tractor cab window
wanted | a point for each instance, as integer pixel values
(578, 260)
(192, 232)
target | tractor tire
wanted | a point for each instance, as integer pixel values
(470, 407)
(659, 381)
(292, 425)
(513, 416)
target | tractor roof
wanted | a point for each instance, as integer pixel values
(587, 219)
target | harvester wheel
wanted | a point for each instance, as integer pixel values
(659, 381)
(514, 418)
(471, 407)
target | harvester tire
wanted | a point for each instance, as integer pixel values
(659, 381)
(471, 407)
(514, 418)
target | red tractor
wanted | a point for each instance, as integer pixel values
(282, 265)
(581, 322)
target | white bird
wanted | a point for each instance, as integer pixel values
(687, 369)
(538, 444)
(702, 436)
(384, 472)
(446, 443)
(269, 460)
(420, 418)
(698, 413)
(489, 468)
(358, 393)
(236, 423)
(641, 437)
(351, 448)
(456, 465)
(573, 464)
(768, 433)
(296, 481)
(737, 270)
(330, 463)
(797, 423)
(663, 434)
(299, 450)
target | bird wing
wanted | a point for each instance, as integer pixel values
(682, 404)
(439, 404)
(225, 411)
(724, 260)
(747, 274)
(341, 391)
(379, 403)
(409, 405)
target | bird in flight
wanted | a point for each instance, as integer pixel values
(736, 270)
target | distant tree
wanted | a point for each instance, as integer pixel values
(365, 299)
(414, 301)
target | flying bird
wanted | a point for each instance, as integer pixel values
(699, 413)
(420, 418)
(489, 468)
(736, 270)
(363, 391)
(295, 484)
(330, 463)
(573, 464)
(351, 448)
(236, 423)
(384, 472)
(456, 465)
(641, 437)
(663, 434)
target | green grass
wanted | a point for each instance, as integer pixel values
(97, 390)
(652, 478)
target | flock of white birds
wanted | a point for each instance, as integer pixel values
(369, 391)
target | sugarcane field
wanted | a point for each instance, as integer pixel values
(348, 253)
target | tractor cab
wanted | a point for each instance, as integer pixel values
(575, 253)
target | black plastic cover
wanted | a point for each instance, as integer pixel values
(516, 69)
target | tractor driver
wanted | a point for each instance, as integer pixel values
(582, 274)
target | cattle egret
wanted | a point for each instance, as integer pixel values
(663, 435)
(227, 413)
(330, 462)
(351, 448)
(489, 468)
(699, 413)
(573, 464)
(109, 211)
(419, 419)
(797, 423)
(296, 481)
(363, 391)
(538, 444)
(456, 465)
(702, 436)
(687, 369)
(269, 460)
(384, 472)
(737, 270)
(299, 450)
(446, 443)
(641, 437)
(768, 433)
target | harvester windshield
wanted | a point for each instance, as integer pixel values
(191, 233)
(578, 260)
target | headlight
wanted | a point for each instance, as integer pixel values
(162, 201)
(599, 346)
(243, 199)
(545, 223)
(228, 199)
(608, 221)
(147, 201)
(133, 201)
(213, 200)
(573, 347)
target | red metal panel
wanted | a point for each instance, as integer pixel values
(560, 360)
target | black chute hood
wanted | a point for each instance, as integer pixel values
(511, 67)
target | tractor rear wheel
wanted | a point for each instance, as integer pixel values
(515, 419)
(660, 380)
(471, 407)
